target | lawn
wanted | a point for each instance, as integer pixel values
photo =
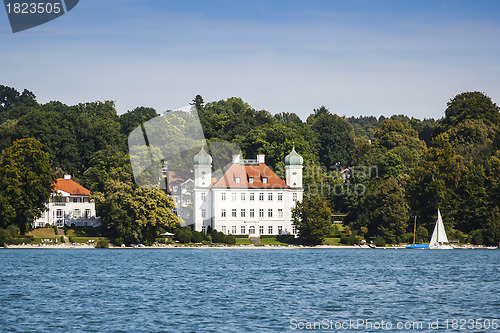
(332, 241)
(83, 232)
(42, 233)
(242, 241)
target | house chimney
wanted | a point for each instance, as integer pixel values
(67, 177)
(261, 158)
(236, 159)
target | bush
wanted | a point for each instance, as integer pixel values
(102, 244)
(4, 237)
(218, 237)
(230, 239)
(55, 229)
(379, 241)
(350, 240)
(197, 237)
(62, 239)
(183, 235)
(13, 230)
(477, 237)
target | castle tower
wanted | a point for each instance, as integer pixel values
(202, 208)
(293, 169)
(202, 169)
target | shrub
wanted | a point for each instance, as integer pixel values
(102, 244)
(230, 239)
(62, 239)
(55, 229)
(4, 237)
(379, 241)
(477, 237)
(13, 230)
(350, 240)
(218, 237)
(197, 237)
(183, 235)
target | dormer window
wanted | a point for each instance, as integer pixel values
(237, 180)
(250, 180)
(264, 180)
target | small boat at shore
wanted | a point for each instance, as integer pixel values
(416, 246)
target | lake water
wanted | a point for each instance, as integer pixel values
(248, 290)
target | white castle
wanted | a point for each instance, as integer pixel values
(249, 198)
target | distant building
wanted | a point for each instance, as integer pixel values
(69, 204)
(249, 198)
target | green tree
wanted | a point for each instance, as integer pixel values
(384, 210)
(312, 219)
(335, 138)
(131, 119)
(492, 228)
(198, 102)
(134, 215)
(26, 182)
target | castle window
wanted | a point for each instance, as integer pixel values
(270, 196)
(295, 197)
(250, 180)
(242, 196)
(280, 229)
(77, 213)
(233, 230)
(252, 212)
(203, 229)
(251, 230)
(242, 229)
(237, 180)
(269, 213)
(233, 212)
(233, 196)
(261, 212)
(252, 196)
(280, 212)
(203, 196)
(280, 196)
(223, 196)
(242, 213)
(203, 213)
(223, 229)
(264, 180)
(261, 229)
(261, 196)
(270, 230)
(223, 213)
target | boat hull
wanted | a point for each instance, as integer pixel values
(418, 246)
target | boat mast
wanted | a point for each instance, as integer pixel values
(414, 229)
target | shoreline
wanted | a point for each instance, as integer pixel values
(241, 247)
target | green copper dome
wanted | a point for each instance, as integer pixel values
(293, 158)
(202, 158)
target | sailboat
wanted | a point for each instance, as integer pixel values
(439, 235)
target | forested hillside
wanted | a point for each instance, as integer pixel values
(399, 167)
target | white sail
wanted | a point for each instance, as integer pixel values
(439, 234)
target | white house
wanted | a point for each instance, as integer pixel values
(69, 204)
(249, 198)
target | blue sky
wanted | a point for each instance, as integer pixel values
(358, 57)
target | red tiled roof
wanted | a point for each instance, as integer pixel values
(245, 172)
(70, 186)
